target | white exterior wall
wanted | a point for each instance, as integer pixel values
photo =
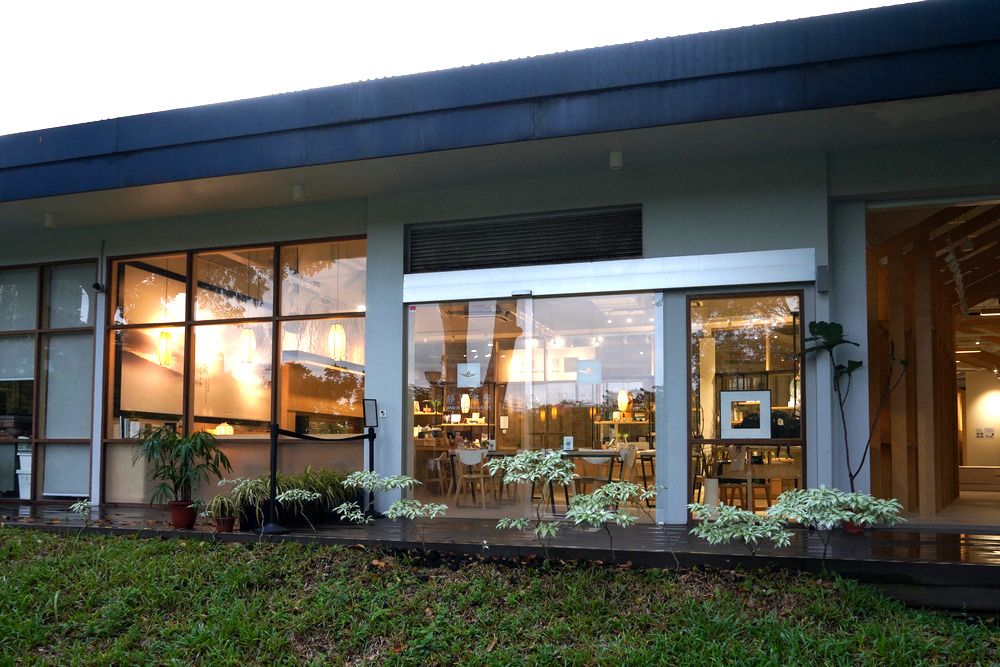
(779, 202)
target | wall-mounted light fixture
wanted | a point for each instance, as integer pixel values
(247, 345)
(616, 160)
(298, 192)
(49, 220)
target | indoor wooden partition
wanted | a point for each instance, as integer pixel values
(921, 282)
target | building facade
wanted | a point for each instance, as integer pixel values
(618, 247)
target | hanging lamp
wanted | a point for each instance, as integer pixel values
(466, 403)
(247, 345)
(337, 341)
(224, 429)
(164, 348)
(623, 400)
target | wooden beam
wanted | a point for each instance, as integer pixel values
(897, 297)
(957, 234)
(923, 366)
(920, 231)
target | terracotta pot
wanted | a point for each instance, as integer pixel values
(224, 524)
(854, 528)
(182, 515)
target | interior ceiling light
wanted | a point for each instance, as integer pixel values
(337, 341)
(248, 345)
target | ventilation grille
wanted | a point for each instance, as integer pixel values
(553, 238)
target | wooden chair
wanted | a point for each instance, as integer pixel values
(439, 473)
(469, 472)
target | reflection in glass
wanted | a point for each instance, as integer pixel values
(746, 390)
(143, 392)
(66, 385)
(745, 344)
(17, 385)
(228, 388)
(18, 299)
(234, 284)
(320, 393)
(541, 373)
(319, 278)
(150, 289)
(70, 296)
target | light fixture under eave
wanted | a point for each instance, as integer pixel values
(337, 341)
(224, 429)
(164, 348)
(298, 192)
(466, 403)
(616, 160)
(248, 345)
(623, 400)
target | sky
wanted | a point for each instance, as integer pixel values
(70, 61)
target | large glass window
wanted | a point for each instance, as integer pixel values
(270, 334)
(44, 438)
(498, 376)
(746, 397)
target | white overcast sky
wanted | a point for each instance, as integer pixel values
(73, 61)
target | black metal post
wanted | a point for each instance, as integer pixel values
(371, 467)
(272, 527)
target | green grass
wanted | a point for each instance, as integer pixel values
(121, 600)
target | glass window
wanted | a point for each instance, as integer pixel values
(70, 300)
(322, 278)
(232, 377)
(746, 397)
(151, 289)
(234, 284)
(18, 299)
(67, 377)
(567, 372)
(322, 376)
(147, 379)
(17, 386)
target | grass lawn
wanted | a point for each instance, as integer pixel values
(69, 599)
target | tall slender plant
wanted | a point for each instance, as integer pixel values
(828, 336)
(180, 463)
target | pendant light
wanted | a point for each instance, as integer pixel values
(224, 429)
(337, 341)
(623, 400)
(466, 403)
(165, 345)
(248, 345)
(164, 348)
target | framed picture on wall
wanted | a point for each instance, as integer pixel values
(745, 415)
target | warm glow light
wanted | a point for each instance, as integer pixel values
(623, 400)
(337, 341)
(248, 345)
(223, 429)
(164, 348)
(466, 403)
(553, 412)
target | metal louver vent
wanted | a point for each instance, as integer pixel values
(552, 238)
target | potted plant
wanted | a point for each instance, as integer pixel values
(223, 509)
(180, 463)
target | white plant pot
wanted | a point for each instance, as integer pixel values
(24, 482)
